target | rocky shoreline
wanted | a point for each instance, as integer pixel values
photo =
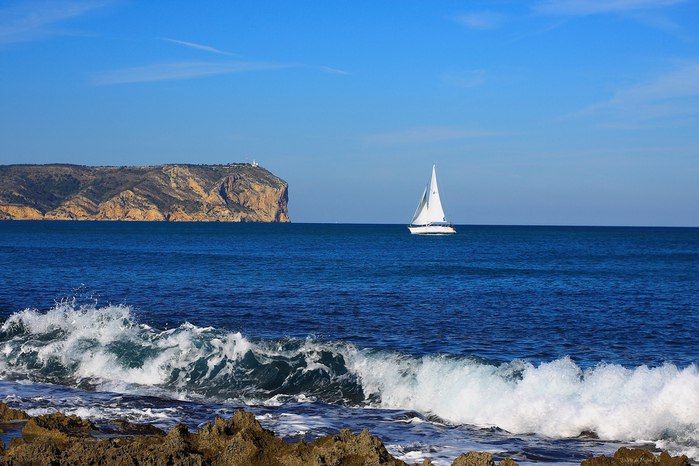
(56, 439)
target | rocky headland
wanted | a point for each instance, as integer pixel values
(223, 193)
(56, 439)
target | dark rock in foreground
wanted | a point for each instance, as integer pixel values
(9, 414)
(56, 439)
(637, 457)
(227, 193)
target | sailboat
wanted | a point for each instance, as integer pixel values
(429, 218)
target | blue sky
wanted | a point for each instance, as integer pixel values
(564, 112)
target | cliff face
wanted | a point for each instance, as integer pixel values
(225, 193)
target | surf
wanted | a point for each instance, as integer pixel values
(107, 349)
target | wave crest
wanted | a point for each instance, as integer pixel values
(106, 348)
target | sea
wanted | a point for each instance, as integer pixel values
(544, 344)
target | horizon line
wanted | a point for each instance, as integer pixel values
(466, 225)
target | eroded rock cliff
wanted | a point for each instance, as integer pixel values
(226, 193)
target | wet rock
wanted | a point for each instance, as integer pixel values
(152, 450)
(130, 428)
(666, 460)
(9, 414)
(16, 442)
(58, 426)
(56, 439)
(474, 458)
(637, 457)
(43, 451)
(507, 462)
(241, 440)
(343, 449)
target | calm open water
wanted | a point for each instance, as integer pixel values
(507, 339)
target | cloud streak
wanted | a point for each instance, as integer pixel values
(480, 20)
(38, 20)
(175, 71)
(671, 95)
(204, 48)
(207, 48)
(182, 70)
(591, 7)
(425, 134)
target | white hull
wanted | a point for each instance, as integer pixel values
(431, 229)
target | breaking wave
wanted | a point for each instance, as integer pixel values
(107, 349)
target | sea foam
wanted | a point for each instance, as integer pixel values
(107, 348)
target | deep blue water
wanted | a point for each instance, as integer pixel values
(626, 295)
(492, 304)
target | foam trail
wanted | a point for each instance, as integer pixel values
(556, 399)
(108, 349)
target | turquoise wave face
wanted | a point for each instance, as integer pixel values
(106, 348)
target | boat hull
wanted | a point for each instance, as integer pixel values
(431, 229)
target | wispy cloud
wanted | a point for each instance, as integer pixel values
(466, 80)
(181, 70)
(671, 95)
(178, 71)
(480, 20)
(660, 22)
(327, 69)
(425, 134)
(205, 48)
(590, 7)
(37, 20)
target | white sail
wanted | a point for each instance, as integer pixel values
(429, 210)
(429, 218)
(420, 216)
(435, 213)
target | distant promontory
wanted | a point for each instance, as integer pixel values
(224, 193)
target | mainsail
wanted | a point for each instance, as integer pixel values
(429, 210)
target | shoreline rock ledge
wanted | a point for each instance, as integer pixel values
(57, 439)
(202, 193)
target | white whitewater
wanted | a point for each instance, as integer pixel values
(429, 217)
(107, 348)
